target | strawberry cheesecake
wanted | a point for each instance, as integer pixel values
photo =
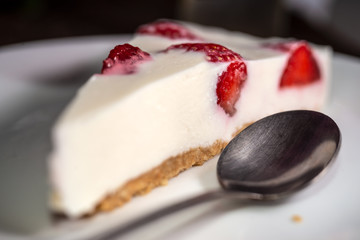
(172, 98)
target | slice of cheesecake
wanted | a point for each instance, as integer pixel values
(175, 102)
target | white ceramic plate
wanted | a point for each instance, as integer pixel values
(36, 82)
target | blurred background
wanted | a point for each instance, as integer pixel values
(331, 22)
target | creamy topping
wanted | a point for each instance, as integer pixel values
(157, 110)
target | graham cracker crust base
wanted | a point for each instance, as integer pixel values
(160, 175)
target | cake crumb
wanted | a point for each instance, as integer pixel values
(296, 218)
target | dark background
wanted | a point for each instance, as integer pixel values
(335, 22)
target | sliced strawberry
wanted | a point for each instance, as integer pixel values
(301, 68)
(229, 86)
(230, 81)
(167, 29)
(214, 52)
(124, 59)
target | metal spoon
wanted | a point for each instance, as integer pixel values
(269, 160)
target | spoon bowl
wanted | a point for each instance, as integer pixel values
(279, 154)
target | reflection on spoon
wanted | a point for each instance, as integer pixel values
(268, 160)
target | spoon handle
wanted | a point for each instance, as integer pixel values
(202, 198)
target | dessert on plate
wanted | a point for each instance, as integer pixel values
(172, 98)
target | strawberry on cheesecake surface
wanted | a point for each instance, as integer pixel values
(170, 99)
(290, 58)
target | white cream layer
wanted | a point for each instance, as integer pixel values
(126, 125)
(118, 127)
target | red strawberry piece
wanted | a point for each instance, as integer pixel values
(301, 68)
(124, 59)
(229, 86)
(230, 81)
(167, 29)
